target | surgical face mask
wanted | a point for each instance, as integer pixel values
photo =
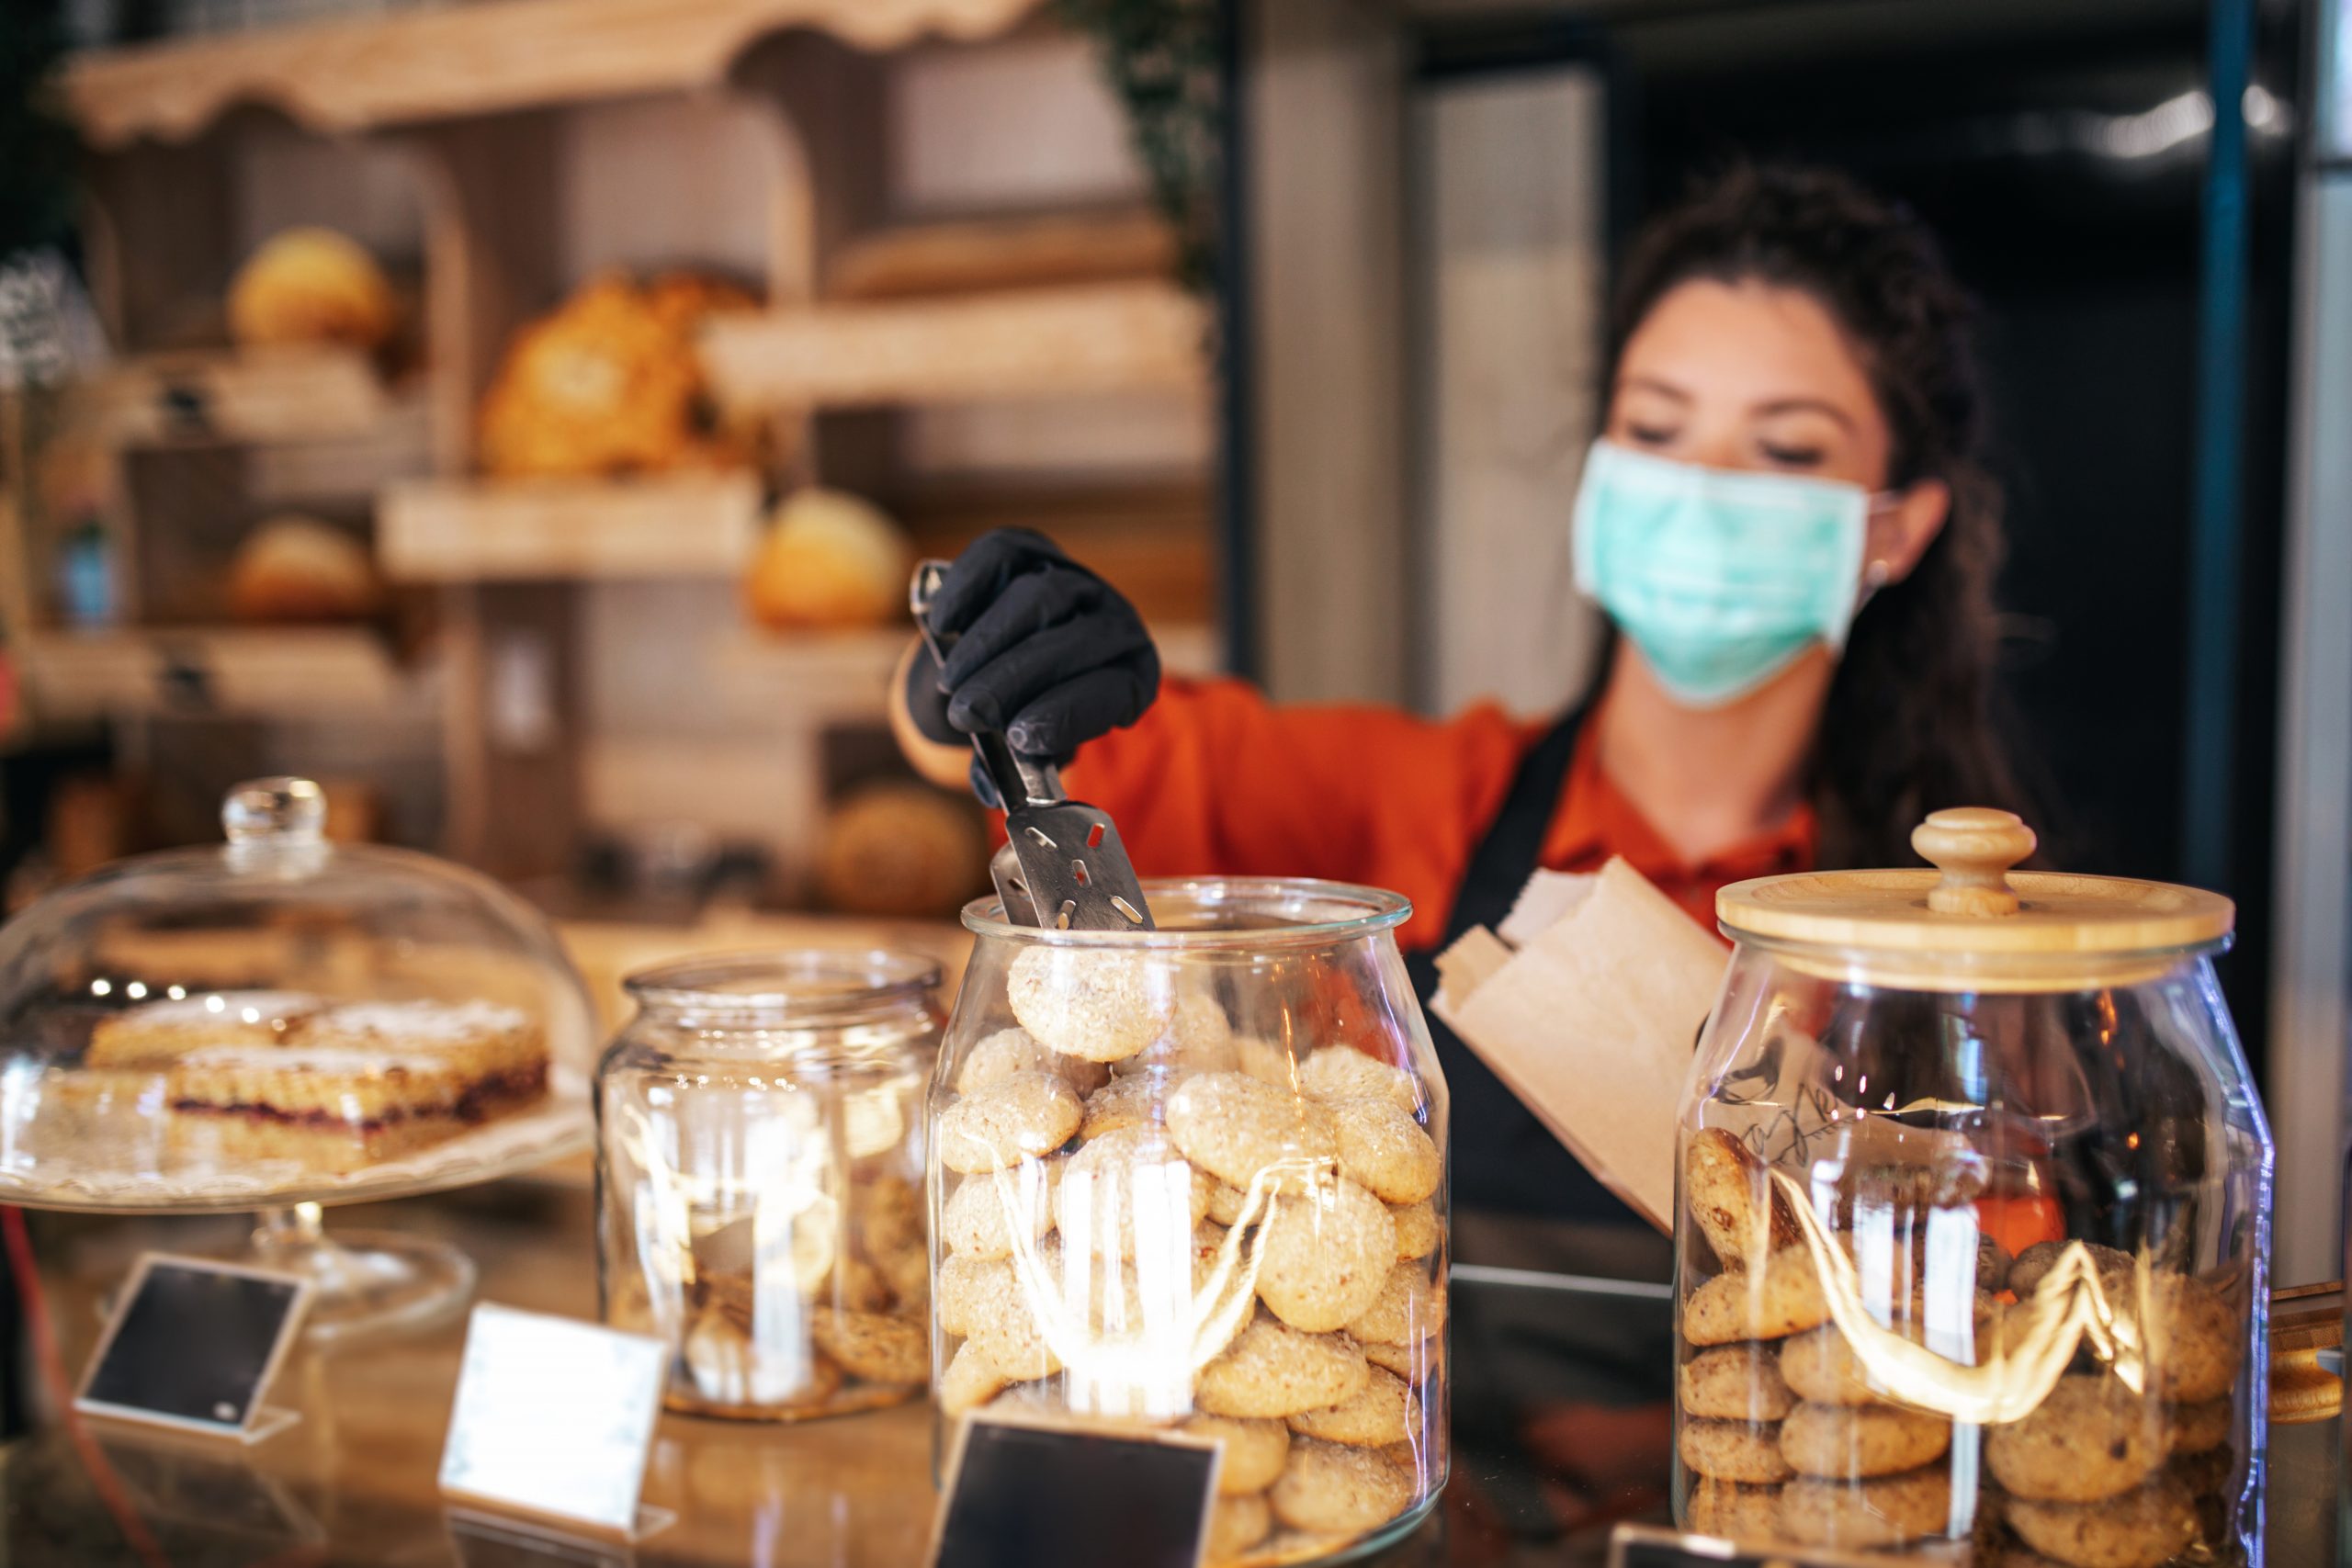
(1720, 579)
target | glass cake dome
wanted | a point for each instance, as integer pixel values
(281, 1019)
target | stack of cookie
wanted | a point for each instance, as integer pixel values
(1786, 1435)
(837, 1323)
(1144, 1216)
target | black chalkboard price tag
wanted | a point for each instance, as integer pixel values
(1022, 1492)
(1642, 1546)
(193, 1344)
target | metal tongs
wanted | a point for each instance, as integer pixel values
(1062, 865)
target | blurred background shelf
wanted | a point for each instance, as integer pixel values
(475, 60)
(260, 396)
(1027, 342)
(229, 671)
(680, 524)
(1034, 250)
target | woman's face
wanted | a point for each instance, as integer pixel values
(1754, 377)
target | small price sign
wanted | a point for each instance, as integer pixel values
(194, 1345)
(1024, 1491)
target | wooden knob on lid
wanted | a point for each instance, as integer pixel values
(1973, 846)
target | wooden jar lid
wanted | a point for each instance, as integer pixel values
(1972, 905)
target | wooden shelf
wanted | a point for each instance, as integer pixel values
(1072, 341)
(256, 671)
(257, 396)
(682, 524)
(927, 260)
(444, 63)
(821, 677)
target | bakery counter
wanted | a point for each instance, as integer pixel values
(1561, 1420)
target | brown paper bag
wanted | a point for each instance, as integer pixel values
(1591, 1022)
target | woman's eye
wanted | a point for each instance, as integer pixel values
(1794, 456)
(1649, 435)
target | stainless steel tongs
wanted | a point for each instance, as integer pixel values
(1062, 865)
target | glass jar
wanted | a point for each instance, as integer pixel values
(759, 1170)
(1973, 1224)
(1196, 1177)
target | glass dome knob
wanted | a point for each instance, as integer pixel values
(275, 811)
(1973, 846)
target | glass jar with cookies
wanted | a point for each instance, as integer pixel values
(1972, 1229)
(1195, 1177)
(759, 1174)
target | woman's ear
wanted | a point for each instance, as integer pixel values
(1901, 530)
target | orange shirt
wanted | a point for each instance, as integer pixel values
(1216, 780)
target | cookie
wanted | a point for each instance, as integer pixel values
(2138, 1529)
(2032, 1266)
(2194, 1341)
(1199, 1039)
(1820, 1364)
(1324, 1254)
(988, 1306)
(1255, 1450)
(1734, 1510)
(1099, 1004)
(1384, 1150)
(2206, 1472)
(1341, 1072)
(1015, 1050)
(970, 1381)
(888, 1209)
(870, 1346)
(1227, 1203)
(1730, 1199)
(1122, 1103)
(2199, 1428)
(1844, 1440)
(1237, 1523)
(1235, 1127)
(1781, 1297)
(1736, 1382)
(907, 1271)
(2091, 1438)
(1127, 1183)
(1892, 1510)
(1416, 1363)
(1334, 1488)
(1265, 1061)
(1018, 1117)
(1271, 1370)
(985, 1212)
(1416, 1228)
(1733, 1450)
(1407, 1310)
(1384, 1411)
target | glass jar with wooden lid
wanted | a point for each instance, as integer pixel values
(1973, 1227)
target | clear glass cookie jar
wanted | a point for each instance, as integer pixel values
(758, 1178)
(1196, 1177)
(1972, 1229)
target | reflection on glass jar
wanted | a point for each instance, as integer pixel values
(759, 1172)
(1196, 1177)
(1973, 1219)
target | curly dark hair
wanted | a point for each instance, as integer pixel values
(1909, 726)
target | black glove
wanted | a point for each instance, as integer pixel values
(1043, 649)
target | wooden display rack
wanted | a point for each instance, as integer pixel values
(484, 102)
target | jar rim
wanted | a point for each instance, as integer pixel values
(798, 984)
(1309, 909)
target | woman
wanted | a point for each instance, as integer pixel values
(1789, 522)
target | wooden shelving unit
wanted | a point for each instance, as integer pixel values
(488, 107)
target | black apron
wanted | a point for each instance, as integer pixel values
(1504, 1159)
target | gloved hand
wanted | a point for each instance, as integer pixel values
(1044, 651)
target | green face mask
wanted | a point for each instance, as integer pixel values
(1720, 579)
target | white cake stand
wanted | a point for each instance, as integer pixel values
(364, 1282)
